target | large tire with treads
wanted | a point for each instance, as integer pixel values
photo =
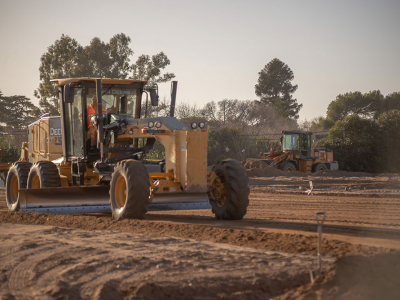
(287, 167)
(230, 194)
(43, 174)
(16, 179)
(129, 190)
(319, 167)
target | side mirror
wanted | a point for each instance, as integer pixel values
(153, 97)
(68, 94)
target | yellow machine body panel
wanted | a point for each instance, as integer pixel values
(45, 140)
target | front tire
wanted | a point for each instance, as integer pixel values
(129, 190)
(16, 179)
(229, 197)
(43, 174)
(319, 167)
(287, 167)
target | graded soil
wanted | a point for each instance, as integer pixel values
(191, 255)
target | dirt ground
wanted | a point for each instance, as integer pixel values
(191, 255)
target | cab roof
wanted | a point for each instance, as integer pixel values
(65, 81)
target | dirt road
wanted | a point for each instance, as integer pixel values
(189, 254)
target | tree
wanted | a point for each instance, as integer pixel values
(355, 144)
(389, 133)
(60, 61)
(391, 101)
(364, 105)
(67, 58)
(17, 111)
(275, 88)
(149, 69)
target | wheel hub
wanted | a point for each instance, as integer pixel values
(120, 191)
(35, 182)
(14, 189)
(219, 191)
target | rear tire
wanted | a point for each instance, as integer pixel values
(319, 167)
(43, 174)
(129, 190)
(16, 179)
(287, 167)
(230, 195)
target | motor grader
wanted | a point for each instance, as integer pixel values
(60, 173)
(298, 155)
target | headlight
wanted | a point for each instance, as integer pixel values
(130, 132)
(193, 125)
(158, 124)
(151, 124)
(202, 125)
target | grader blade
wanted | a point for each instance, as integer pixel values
(179, 201)
(95, 199)
(66, 200)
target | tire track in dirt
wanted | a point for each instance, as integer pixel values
(113, 264)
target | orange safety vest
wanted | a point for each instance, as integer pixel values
(92, 112)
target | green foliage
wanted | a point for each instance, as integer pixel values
(9, 154)
(17, 111)
(219, 144)
(275, 88)
(227, 142)
(149, 68)
(391, 101)
(364, 105)
(355, 143)
(67, 58)
(354, 128)
(355, 156)
(389, 146)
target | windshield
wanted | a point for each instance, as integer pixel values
(290, 142)
(121, 101)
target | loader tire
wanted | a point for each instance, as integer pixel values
(319, 167)
(43, 174)
(129, 190)
(287, 167)
(16, 179)
(229, 197)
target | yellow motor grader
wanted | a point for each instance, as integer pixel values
(61, 171)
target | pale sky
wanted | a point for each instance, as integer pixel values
(217, 47)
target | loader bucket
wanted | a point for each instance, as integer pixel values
(95, 199)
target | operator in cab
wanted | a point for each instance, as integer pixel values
(92, 111)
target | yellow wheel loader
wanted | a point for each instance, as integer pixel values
(298, 155)
(90, 158)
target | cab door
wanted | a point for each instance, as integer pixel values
(73, 125)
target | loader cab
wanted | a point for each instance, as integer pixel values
(299, 142)
(121, 99)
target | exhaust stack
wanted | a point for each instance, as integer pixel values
(174, 86)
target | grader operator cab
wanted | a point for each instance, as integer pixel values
(298, 155)
(90, 159)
